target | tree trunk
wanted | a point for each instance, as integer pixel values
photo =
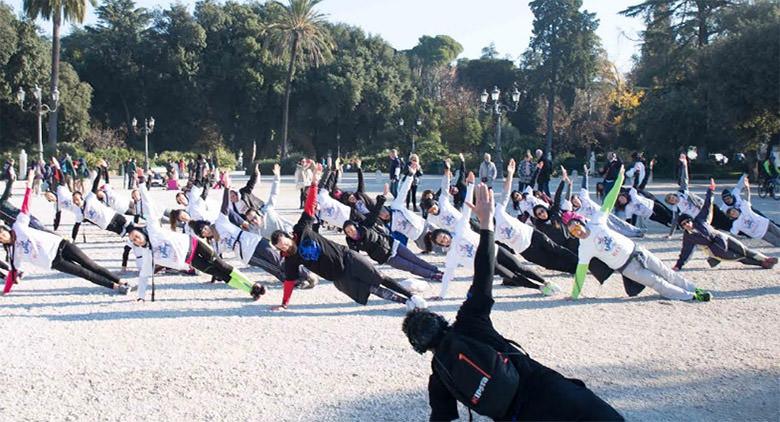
(287, 89)
(55, 74)
(550, 114)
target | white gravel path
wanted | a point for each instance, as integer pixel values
(73, 351)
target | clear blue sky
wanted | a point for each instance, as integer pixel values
(473, 23)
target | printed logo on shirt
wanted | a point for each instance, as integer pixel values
(164, 251)
(448, 220)
(749, 223)
(605, 243)
(507, 232)
(404, 224)
(25, 246)
(328, 211)
(229, 240)
(91, 213)
(467, 250)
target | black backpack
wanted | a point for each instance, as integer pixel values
(476, 374)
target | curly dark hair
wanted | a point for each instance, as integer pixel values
(424, 329)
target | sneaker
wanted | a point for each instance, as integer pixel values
(122, 289)
(769, 263)
(257, 291)
(713, 262)
(550, 288)
(415, 302)
(311, 281)
(414, 285)
(700, 295)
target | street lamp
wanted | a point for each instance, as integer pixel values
(39, 108)
(414, 130)
(491, 103)
(146, 129)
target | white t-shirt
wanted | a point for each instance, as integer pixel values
(197, 207)
(749, 222)
(510, 230)
(37, 247)
(404, 221)
(332, 211)
(605, 244)
(639, 205)
(232, 238)
(65, 202)
(448, 215)
(97, 212)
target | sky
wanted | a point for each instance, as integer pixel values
(473, 23)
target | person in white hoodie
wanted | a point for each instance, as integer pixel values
(28, 246)
(179, 251)
(750, 223)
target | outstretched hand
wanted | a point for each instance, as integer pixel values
(565, 175)
(277, 170)
(470, 178)
(386, 190)
(712, 184)
(510, 168)
(484, 206)
(747, 183)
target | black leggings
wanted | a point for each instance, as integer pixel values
(71, 260)
(514, 272)
(543, 251)
(661, 214)
(117, 224)
(207, 261)
(412, 195)
(361, 270)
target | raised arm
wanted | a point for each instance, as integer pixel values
(250, 184)
(96, 182)
(556, 205)
(479, 299)
(609, 200)
(9, 184)
(510, 172)
(747, 189)
(361, 187)
(274, 193)
(683, 182)
(374, 214)
(705, 214)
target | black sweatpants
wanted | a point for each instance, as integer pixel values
(543, 251)
(207, 261)
(514, 272)
(361, 277)
(551, 396)
(71, 260)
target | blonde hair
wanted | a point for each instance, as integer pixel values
(414, 157)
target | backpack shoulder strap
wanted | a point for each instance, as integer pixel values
(517, 346)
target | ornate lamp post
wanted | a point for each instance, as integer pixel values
(147, 128)
(491, 103)
(39, 108)
(413, 131)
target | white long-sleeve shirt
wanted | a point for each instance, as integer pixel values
(749, 222)
(33, 246)
(638, 205)
(406, 222)
(605, 244)
(166, 248)
(448, 215)
(116, 200)
(97, 212)
(331, 210)
(510, 230)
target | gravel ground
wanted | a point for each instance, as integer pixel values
(74, 351)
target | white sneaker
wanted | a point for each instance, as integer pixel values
(416, 302)
(415, 285)
(550, 288)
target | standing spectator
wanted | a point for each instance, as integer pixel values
(610, 171)
(525, 172)
(487, 171)
(544, 172)
(636, 174)
(416, 174)
(304, 173)
(130, 170)
(396, 165)
(182, 167)
(8, 170)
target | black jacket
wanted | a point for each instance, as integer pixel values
(705, 235)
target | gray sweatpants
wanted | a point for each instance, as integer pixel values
(623, 227)
(645, 268)
(772, 234)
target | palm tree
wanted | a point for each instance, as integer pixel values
(55, 10)
(298, 33)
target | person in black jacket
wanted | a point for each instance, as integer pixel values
(243, 200)
(396, 166)
(543, 172)
(721, 246)
(384, 249)
(351, 273)
(543, 393)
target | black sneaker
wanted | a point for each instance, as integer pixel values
(713, 262)
(258, 290)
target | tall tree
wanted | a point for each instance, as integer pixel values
(299, 32)
(692, 20)
(563, 53)
(56, 10)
